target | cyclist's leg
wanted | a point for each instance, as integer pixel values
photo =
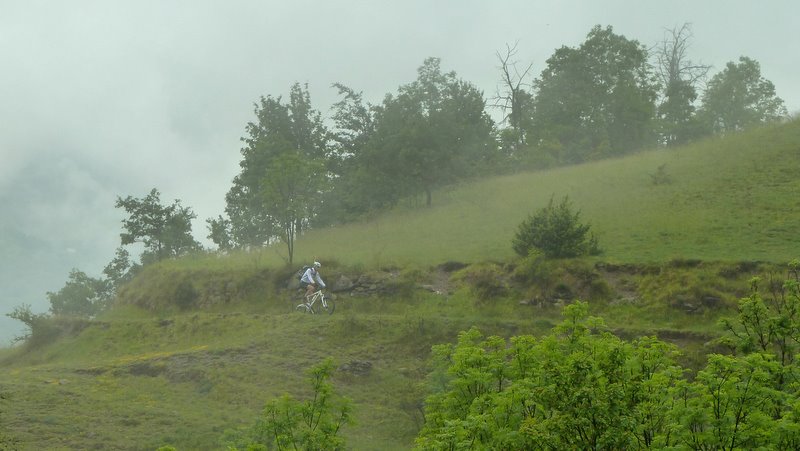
(310, 289)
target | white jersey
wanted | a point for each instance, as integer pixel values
(312, 276)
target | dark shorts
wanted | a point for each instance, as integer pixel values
(305, 285)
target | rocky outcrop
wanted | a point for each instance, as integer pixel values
(365, 284)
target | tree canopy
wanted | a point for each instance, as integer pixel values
(739, 97)
(165, 230)
(596, 100)
(581, 387)
(261, 198)
(433, 132)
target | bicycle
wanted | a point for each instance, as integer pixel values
(310, 306)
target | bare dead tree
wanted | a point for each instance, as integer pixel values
(672, 61)
(511, 94)
(679, 77)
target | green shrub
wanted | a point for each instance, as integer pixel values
(556, 231)
(287, 423)
(81, 295)
(661, 177)
(532, 269)
(43, 328)
(486, 281)
(186, 295)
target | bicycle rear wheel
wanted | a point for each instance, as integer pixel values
(304, 308)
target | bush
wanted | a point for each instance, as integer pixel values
(44, 328)
(661, 177)
(81, 295)
(556, 231)
(486, 281)
(186, 295)
(287, 423)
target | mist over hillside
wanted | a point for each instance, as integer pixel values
(54, 219)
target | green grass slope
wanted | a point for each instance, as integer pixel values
(731, 198)
(197, 346)
(137, 380)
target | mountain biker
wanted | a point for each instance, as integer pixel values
(311, 279)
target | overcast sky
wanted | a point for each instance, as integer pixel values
(100, 99)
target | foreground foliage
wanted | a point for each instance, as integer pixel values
(581, 387)
(313, 424)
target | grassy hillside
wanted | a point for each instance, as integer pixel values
(731, 198)
(139, 379)
(197, 346)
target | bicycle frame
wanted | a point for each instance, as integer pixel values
(316, 296)
(311, 301)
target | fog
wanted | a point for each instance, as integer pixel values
(105, 99)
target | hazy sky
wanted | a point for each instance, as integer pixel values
(100, 99)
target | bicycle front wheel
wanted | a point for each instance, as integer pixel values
(328, 305)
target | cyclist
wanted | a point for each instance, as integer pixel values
(311, 279)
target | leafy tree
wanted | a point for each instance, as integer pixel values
(354, 122)
(768, 324)
(313, 424)
(219, 232)
(433, 132)
(81, 295)
(739, 97)
(577, 388)
(250, 223)
(728, 405)
(596, 100)
(38, 324)
(292, 193)
(165, 230)
(771, 322)
(749, 399)
(679, 77)
(350, 193)
(293, 127)
(556, 231)
(118, 271)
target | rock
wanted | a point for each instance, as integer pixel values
(359, 367)
(712, 302)
(430, 288)
(451, 266)
(145, 369)
(343, 283)
(293, 283)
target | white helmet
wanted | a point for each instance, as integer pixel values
(317, 264)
